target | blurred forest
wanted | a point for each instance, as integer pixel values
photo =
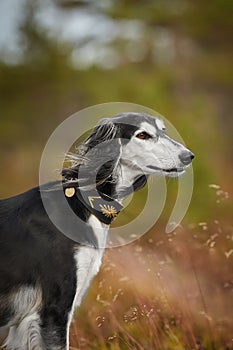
(174, 56)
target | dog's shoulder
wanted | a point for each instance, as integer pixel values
(23, 217)
(31, 244)
(15, 209)
(19, 200)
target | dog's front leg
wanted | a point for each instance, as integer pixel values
(55, 329)
(55, 338)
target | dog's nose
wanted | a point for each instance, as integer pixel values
(186, 157)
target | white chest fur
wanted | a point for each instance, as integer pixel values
(88, 262)
(88, 259)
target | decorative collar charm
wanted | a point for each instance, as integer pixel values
(108, 210)
(104, 207)
(69, 192)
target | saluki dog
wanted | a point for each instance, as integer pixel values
(44, 274)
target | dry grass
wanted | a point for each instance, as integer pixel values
(162, 292)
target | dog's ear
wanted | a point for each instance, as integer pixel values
(103, 149)
(100, 153)
(105, 130)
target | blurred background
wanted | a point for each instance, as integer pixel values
(175, 56)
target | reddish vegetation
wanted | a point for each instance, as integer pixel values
(162, 292)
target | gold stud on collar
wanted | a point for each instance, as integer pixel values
(69, 192)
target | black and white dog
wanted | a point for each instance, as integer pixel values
(43, 273)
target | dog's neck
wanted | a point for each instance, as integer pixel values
(127, 175)
(104, 200)
(127, 179)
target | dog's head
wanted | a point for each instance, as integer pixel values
(146, 145)
(135, 139)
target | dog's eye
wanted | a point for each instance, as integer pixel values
(143, 136)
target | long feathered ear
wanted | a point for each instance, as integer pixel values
(105, 130)
(101, 151)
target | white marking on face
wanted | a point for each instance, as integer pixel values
(150, 129)
(160, 124)
(156, 154)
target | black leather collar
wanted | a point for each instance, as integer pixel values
(104, 207)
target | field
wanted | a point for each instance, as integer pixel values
(164, 291)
